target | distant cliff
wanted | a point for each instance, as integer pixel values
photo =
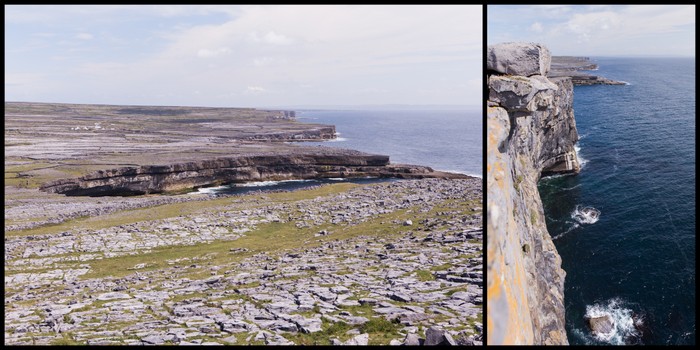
(571, 66)
(531, 133)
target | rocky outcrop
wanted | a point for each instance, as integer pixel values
(570, 66)
(531, 133)
(265, 167)
(518, 59)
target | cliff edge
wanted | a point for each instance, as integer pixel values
(531, 133)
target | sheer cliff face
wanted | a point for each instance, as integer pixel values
(531, 132)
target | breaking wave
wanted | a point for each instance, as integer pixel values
(625, 323)
(585, 215)
(581, 161)
(268, 183)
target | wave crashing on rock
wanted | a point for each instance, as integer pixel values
(585, 215)
(613, 323)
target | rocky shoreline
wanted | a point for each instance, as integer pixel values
(570, 66)
(186, 176)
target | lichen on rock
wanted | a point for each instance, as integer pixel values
(531, 133)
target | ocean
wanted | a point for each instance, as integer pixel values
(448, 140)
(636, 261)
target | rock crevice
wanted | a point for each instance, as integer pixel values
(531, 133)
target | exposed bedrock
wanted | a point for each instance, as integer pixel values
(518, 59)
(531, 133)
(183, 176)
(569, 66)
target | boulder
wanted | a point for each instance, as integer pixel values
(524, 59)
(434, 336)
(602, 325)
(361, 339)
(412, 339)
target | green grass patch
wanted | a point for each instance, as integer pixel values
(328, 330)
(441, 267)
(381, 331)
(67, 339)
(424, 275)
(175, 209)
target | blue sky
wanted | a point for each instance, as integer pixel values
(247, 56)
(597, 30)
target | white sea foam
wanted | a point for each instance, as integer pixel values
(581, 161)
(623, 323)
(209, 190)
(268, 183)
(554, 176)
(585, 215)
(337, 139)
(460, 172)
(571, 188)
(571, 228)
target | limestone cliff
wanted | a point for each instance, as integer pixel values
(326, 163)
(531, 132)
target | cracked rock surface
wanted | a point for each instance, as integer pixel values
(334, 264)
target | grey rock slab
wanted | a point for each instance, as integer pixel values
(405, 298)
(230, 339)
(369, 301)
(412, 339)
(524, 59)
(461, 296)
(309, 325)
(362, 339)
(113, 296)
(395, 342)
(153, 339)
(434, 336)
(355, 320)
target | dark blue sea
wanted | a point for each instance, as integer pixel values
(636, 263)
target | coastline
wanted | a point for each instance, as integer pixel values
(396, 262)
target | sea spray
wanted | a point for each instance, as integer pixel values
(624, 324)
(585, 215)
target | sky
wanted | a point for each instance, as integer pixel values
(244, 56)
(597, 30)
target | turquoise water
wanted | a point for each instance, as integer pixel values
(637, 262)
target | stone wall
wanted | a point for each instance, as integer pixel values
(531, 132)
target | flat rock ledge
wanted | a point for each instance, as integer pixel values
(179, 177)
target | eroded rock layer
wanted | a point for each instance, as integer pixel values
(183, 176)
(531, 132)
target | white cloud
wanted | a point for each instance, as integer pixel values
(266, 61)
(206, 53)
(536, 27)
(271, 38)
(84, 36)
(255, 89)
(263, 50)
